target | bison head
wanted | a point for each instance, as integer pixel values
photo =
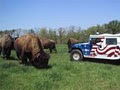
(41, 60)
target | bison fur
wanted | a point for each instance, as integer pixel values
(6, 44)
(29, 47)
(70, 42)
(49, 44)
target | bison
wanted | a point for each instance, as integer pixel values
(29, 47)
(0, 45)
(70, 42)
(49, 44)
(6, 45)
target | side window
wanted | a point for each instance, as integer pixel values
(111, 41)
(96, 40)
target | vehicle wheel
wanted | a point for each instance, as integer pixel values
(76, 55)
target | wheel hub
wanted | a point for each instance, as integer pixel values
(76, 56)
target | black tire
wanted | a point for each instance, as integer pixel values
(76, 55)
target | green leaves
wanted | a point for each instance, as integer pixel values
(113, 27)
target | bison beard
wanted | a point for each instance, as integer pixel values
(30, 47)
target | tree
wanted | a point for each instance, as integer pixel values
(44, 33)
(31, 31)
(71, 31)
(61, 34)
(52, 34)
(113, 26)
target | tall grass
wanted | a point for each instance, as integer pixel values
(63, 74)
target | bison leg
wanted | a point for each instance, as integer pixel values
(4, 51)
(69, 50)
(50, 50)
(69, 46)
(19, 57)
(55, 50)
(8, 54)
(23, 59)
(0, 50)
(29, 56)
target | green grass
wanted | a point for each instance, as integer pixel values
(62, 75)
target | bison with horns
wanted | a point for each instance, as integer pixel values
(49, 44)
(29, 47)
(6, 45)
(70, 42)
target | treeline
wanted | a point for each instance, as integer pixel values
(61, 35)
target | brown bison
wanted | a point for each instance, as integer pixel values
(49, 44)
(0, 45)
(6, 45)
(70, 42)
(29, 47)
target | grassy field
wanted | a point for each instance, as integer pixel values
(63, 74)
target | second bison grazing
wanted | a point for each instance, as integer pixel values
(70, 42)
(29, 47)
(49, 44)
(6, 45)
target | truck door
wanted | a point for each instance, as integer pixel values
(97, 46)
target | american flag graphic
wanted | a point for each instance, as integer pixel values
(107, 50)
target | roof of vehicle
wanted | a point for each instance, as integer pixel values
(104, 35)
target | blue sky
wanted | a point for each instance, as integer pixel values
(28, 14)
